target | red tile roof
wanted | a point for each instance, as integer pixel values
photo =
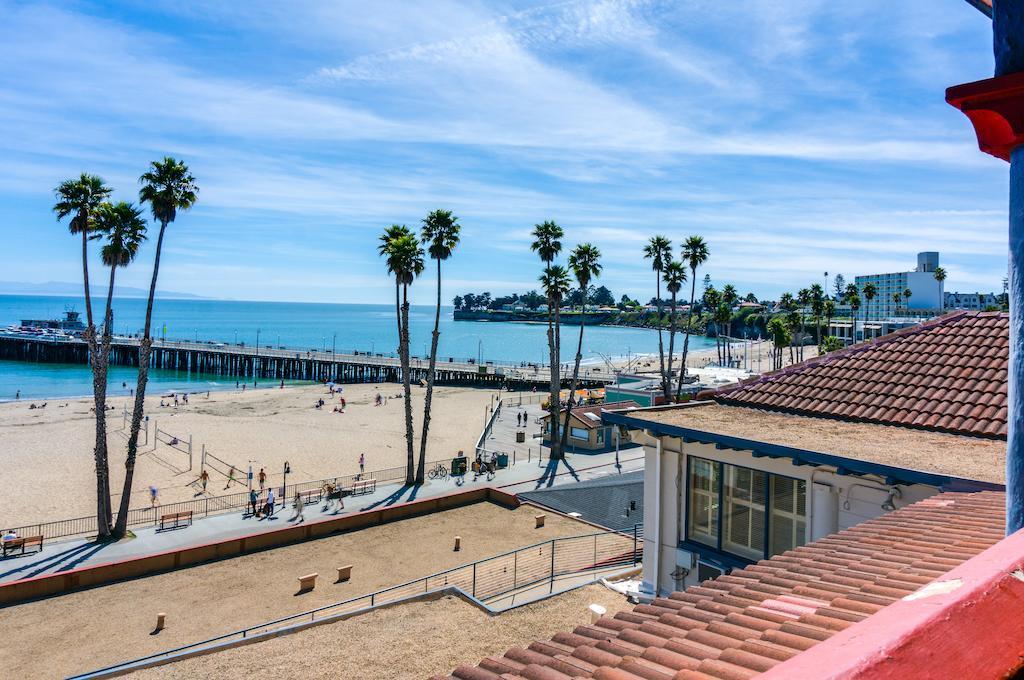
(947, 375)
(580, 412)
(744, 623)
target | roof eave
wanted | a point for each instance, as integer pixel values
(893, 475)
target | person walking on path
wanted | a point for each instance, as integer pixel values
(254, 498)
(153, 496)
(231, 477)
(298, 509)
(262, 478)
(204, 477)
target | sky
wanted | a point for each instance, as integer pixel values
(796, 137)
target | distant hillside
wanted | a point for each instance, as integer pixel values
(75, 289)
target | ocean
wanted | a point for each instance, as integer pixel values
(301, 326)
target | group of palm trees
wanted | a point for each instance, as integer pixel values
(403, 252)
(672, 272)
(167, 187)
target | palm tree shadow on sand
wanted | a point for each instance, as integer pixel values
(396, 497)
(551, 471)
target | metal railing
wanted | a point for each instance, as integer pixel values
(492, 578)
(202, 507)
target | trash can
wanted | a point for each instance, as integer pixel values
(520, 437)
(502, 460)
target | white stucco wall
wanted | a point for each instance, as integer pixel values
(835, 502)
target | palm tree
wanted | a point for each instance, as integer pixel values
(548, 244)
(940, 274)
(404, 259)
(584, 262)
(390, 234)
(829, 310)
(854, 302)
(778, 329)
(721, 316)
(675, 277)
(896, 297)
(168, 187)
(906, 298)
(816, 297)
(870, 292)
(79, 199)
(803, 297)
(710, 301)
(695, 253)
(659, 251)
(440, 232)
(729, 297)
(556, 284)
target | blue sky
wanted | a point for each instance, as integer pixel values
(796, 137)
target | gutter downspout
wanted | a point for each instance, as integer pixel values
(656, 562)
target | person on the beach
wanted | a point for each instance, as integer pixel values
(204, 477)
(298, 509)
(17, 395)
(231, 477)
(254, 498)
(175, 400)
(152, 495)
(262, 478)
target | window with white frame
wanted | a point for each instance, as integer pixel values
(746, 512)
(703, 508)
(789, 513)
(579, 433)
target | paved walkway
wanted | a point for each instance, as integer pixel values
(60, 556)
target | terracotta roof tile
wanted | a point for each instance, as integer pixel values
(948, 374)
(746, 622)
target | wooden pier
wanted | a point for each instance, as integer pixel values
(251, 363)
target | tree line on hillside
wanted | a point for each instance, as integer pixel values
(167, 187)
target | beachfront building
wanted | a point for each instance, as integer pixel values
(926, 291)
(586, 430)
(973, 301)
(755, 470)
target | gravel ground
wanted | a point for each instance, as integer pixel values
(414, 640)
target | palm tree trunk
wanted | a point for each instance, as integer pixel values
(555, 387)
(98, 389)
(661, 342)
(100, 362)
(573, 385)
(138, 409)
(671, 348)
(686, 335)
(403, 349)
(421, 469)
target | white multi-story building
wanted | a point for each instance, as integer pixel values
(972, 301)
(926, 297)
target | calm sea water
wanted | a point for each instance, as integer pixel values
(304, 326)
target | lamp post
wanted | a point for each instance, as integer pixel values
(284, 483)
(256, 360)
(480, 351)
(334, 344)
(196, 331)
(236, 336)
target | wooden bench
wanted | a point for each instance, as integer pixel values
(20, 545)
(175, 520)
(363, 486)
(311, 497)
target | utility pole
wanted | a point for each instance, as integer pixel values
(996, 109)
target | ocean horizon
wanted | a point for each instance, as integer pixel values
(341, 327)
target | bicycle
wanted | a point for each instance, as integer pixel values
(439, 471)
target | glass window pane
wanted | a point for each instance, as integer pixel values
(744, 511)
(788, 524)
(703, 519)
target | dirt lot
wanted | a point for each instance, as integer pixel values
(93, 628)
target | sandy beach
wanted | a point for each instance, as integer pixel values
(48, 461)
